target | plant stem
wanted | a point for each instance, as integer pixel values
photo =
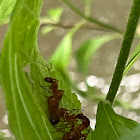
(68, 25)
(90, 19)
(125, 48)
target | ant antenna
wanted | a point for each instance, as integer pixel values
(44, 88)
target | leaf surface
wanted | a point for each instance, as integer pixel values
(109, 125)
(133, 135)
(26, 120)
(6, 7)
(27, 108)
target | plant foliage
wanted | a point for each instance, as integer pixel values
(23, 70)
(25, 103)
(109, 125)
(6, 7)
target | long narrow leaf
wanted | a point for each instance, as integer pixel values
(25, 117)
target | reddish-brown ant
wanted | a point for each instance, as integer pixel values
(75, 132)
(68, 117)
(56, 112)
(53, 106)
(53, 101)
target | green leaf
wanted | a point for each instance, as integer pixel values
(133, 58)
(54, 14)
(45, 30)
(88, 48)
(69, 99)
(6, 7)
(27, 108)
(62, 55)
(26, 119)
(109, 125)
(133, 135)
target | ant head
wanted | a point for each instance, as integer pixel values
(48, 79)
(54, 121)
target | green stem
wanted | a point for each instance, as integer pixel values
(90, 19)
(125, 48)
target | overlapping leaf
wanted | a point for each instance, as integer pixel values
(27, 108)
(25, 117)
(109, 125)
(6, 7)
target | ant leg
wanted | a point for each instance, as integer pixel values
(46, 89)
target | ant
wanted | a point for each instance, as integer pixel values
(75, 132)
(66, 115)
(53, 101)
(56, 113)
